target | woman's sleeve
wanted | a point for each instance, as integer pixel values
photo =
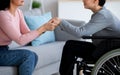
(23, 26)
(93, 26)
(20, 36)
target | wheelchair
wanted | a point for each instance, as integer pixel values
(108, 64)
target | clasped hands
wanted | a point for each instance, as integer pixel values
(52, 24)
(49, 26)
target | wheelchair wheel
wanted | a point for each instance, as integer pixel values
(108, 64)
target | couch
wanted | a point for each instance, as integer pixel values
(49, 54)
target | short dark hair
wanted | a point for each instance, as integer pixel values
(102, 2)
(4, 4)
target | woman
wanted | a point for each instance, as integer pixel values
(14, 28)
(102, 23)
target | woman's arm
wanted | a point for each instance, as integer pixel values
(21, 35)
(94, 25)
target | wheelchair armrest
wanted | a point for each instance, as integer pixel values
(100, 37)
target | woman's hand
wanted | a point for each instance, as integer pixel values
(49, 26)
(56, 21)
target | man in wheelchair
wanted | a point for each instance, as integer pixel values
(102, 23)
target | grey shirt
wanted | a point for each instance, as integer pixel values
(102, 23)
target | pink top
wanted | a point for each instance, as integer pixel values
(14, 28)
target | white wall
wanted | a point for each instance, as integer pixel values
(75, 10)
(113, 6)
(48, 5)
(27, 5)
(51, 5)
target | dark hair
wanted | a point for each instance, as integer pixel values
(4, 4)
(102, 2)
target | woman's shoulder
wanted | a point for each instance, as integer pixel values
(106, 13)
(4, 14)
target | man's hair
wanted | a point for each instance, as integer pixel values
(102, 2)
(4, 4)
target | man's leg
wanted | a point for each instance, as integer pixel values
(70, 51)
(25, 60)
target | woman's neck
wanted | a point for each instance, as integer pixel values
(96, 9)
(13, 9)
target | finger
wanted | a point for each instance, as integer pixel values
(51, 21)
(53, 24)
(52, 28)
(56, 23)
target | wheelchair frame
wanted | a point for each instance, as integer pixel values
(108, 64)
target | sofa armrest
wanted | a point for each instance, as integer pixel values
(63, 36)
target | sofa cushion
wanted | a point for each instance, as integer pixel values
(47, 53)
(35, 22)
(8, 70)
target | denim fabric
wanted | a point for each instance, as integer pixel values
(24, 60)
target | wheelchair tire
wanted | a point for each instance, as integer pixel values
(108, 64)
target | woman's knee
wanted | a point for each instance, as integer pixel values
(36, 56)
(29, 54)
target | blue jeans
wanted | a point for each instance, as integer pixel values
(24, 60)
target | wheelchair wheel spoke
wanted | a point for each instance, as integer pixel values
(118, 61)
(111, 67)
(104, 71)
(108, 64)
(116, 65)
(108, 69)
